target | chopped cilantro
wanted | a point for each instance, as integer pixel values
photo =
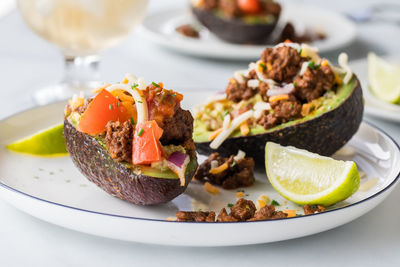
(132, 121)
(140, 132)
(262, 65)
(118, 104)
(134, 86)
(294, 84)
(240, 190)
(275, 203)
(230, 205)
(234, 164)
(301, 50)
(313, 66)
(298, 214)
(248, 207)
(140, 101)
(110, 107)
(174, 94)
(156, 85)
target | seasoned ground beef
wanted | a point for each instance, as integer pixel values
(267, 120)
(268, 212)
(223, 216)
(287, 110)
(314, 83)
(195, 216)
(188, 31)
(283, 111)
(237, 92)
(243, 209)
(285, 63)
(239, 173)
(178, 130)
(311, 209)
(119, 140)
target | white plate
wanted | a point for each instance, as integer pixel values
(374, 106)
(160, 28)
(53, 190)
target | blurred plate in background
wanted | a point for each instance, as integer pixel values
(374, 106)
(160, 29)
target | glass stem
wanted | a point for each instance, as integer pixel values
(81, 73)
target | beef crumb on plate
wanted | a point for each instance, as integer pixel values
(233, 172)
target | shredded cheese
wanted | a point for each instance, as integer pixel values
(343, 63)
(234, 125)
(219, 169)
(141, 104)
(213, 164)
(253, 83)
(278, 97)
(210, 188)
(304, 67)
(239, 75)
(290, 213)
(240, 155)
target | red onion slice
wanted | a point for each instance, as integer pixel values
(177, 162)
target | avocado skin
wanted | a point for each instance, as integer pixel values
(234, 30)
(323, 135)
(94, 162)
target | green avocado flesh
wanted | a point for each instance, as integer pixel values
(201, 133)
(153, 172)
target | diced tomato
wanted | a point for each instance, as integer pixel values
(103, 108)
(249, 6)
(146, 147)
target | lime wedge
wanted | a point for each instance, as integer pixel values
(384, 79)
(308, 178)
(49, 142)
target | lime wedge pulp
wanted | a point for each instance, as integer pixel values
(384, 79)
(49, 142)
(308, 178)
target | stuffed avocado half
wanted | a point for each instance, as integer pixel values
(238, 21)
(133, 140)
(290, 96)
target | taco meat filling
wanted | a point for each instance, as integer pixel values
(230, 173)
(290, 81)
(283, 65)
(139, 124)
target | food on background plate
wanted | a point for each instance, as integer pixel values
(133, 140)
(238, 21)
(46, 143)
(308, 36)
(290, 96)
(384, 79)
(307, 178)
(188, 31)
(230, 173)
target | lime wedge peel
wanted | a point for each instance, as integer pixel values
(308, 178)
(47, 143)
(384, 79)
